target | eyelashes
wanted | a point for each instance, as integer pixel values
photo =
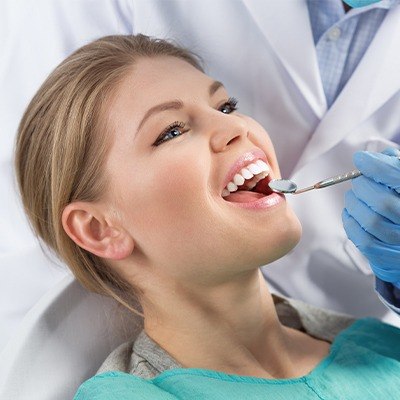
(178, 128)
(173, 130)
(231, 104)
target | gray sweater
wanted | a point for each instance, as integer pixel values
(145, 358)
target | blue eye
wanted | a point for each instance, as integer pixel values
(229, 106)
(171, 131)
(177, 128)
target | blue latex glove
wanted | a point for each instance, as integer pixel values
(371, 217)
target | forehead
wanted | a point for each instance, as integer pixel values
(162, 78)
(149, 82)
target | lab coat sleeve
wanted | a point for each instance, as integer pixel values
(389, 294)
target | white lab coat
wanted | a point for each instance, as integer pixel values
(264, 53)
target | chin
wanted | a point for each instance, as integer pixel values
(291, 232)
(286, 238)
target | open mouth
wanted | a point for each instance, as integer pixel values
(249, 185)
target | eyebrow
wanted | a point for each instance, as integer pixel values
(174, 104)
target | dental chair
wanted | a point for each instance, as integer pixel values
(62, 342)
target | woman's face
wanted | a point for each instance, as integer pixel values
(176, 143)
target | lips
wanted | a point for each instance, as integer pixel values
(241, 178)
(243, 161)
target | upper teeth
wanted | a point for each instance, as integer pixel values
(252, 173)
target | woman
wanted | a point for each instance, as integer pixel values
(137, 169)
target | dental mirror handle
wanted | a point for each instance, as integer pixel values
(331, 181)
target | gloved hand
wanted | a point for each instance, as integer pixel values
(371, 217)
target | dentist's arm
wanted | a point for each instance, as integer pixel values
(371, 219)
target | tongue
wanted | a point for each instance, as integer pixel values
(243, 196)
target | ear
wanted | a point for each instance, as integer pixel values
(87, 226)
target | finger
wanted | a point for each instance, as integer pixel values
(382, 168)
(381, 261)
(392, 151)
(361, 239)
(372, 222)
(378, 197)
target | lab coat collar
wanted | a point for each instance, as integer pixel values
(375, 80)
(286, 27)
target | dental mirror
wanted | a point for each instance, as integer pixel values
(286, 186)
(282, 186)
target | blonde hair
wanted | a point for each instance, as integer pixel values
(61, 147)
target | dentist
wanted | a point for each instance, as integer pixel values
(322, 77)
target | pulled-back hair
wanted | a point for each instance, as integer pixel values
(62, 143)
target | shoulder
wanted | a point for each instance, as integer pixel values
(115, 385)
(142, 357)
(316, 321)
(118, 360)
(376, 336)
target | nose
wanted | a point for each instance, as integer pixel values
(226, 130)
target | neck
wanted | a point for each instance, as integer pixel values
(233, 328)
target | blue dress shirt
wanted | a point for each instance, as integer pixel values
(341, 39)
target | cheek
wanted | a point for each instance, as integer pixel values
(164, 203)
(261, 139)
(179, 185)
